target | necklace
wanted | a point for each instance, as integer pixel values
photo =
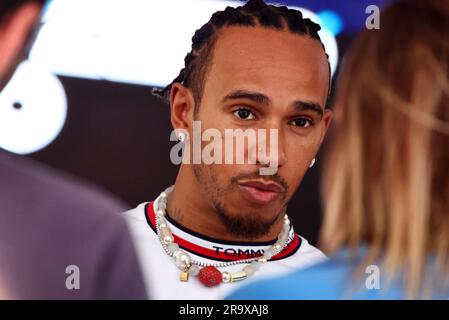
(208, 273)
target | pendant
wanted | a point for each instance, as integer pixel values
(184, 276)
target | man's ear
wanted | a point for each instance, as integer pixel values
(182, 105)
(327, 119)
(14, 30)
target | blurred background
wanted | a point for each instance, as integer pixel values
(82, 102)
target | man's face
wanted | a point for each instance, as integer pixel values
(263, 79)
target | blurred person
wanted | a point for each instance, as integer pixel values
(60, 238)
(386, 181)
(257, 66)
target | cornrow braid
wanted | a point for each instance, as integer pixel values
(253, 13)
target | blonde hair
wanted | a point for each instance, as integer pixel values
(387, 180)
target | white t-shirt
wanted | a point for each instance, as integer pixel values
(162, 276)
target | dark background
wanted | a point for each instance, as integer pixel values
(117, 135)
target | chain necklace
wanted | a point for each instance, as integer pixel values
(208, 273)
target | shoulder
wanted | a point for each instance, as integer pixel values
(304, 255)
(140, 226)
(31, 191)
(334, 278)
(65, 221)
(323, 280)
(138, 220)
(137, 214)
(26, 179)
(310, 252)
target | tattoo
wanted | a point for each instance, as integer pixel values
(177, 215)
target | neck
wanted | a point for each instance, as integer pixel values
(190, 206)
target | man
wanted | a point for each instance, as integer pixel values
(252, 67)
(59, 237)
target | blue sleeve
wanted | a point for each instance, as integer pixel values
(313, 283)
(330, 280)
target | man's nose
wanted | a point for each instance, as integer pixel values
(271, 147)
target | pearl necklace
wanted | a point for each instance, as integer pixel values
(209, 275)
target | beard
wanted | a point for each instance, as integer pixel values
(248, 224)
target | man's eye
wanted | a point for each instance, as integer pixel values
(244, 114)
(301, 122)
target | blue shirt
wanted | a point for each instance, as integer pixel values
(331, 280)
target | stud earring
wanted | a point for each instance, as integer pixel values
(181, 136)
(312, 163)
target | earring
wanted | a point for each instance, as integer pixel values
(181, 136)
(312, 163)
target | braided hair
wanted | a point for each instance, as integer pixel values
(253, 13)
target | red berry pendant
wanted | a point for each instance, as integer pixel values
(210, 276)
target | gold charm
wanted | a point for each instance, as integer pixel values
(184, 276)
(238, 276)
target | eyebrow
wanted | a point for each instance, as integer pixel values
(262, 99)
(250, 95)
(311, 106)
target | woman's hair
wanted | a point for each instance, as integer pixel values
(387, 180)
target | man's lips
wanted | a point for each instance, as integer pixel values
(260, 192)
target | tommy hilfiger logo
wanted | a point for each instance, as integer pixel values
(230, 252)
